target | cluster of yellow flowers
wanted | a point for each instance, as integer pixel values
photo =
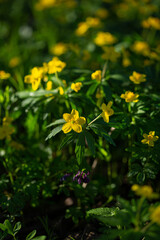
(90, 22)
(37, 73)
(151, 22)
(6, 129)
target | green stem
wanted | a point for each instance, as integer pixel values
(138, 212)
(94, 120)
(146, 227)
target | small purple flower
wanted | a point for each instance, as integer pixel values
(65, 176)
(81, 177)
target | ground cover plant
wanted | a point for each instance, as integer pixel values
(79, 119)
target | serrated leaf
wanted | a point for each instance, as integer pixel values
(90, 141)
(59, 121)
(31, 235)
(54, 132)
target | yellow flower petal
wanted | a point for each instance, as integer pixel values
(67, 117)
(75, 114)
(77, 127)
(67, 127)
(105, 117)
(81, 120)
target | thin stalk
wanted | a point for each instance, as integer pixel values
(94, 120)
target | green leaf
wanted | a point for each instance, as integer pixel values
(8, 227)
(107, 91)
(17, 227)
(2, 227)
(90, 141)
(54, 132)
(141, 177)
(31, 235)
(39, 238)
(111, 216)
(59, 121)
(79, 149)
(92, 88)
(68, 139)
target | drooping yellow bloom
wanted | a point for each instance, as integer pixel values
(107, 111)
(104, 38)
(73, 122)
(137, 78)
(150, 138)
(49, 85)
(130, 96)
(59, 49)
(7, 120)
(144, 191)
(61, 90)
(14, 62)
(34, 78)
(76, 86)
(155, 215)
(97, 75)
(4, 75)
(55, 65)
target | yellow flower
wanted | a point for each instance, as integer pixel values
(49, 85)
(59, 49)
(4, 75)
(110, 54)
(144, 191)
(102, 13)
(149, 139)
(97, 75)
(7, 120)
(61, 91)
(5, 131)
(76, 86)
(82, 29)
(140, 47)
(155, 215)
(55, 65)
(107, 111)
(137, 78)
(34, 78)
(42, 4)
(73, 122)
(130, 96)
(14, 62)
(93, 22)
(151, 22)
(104, 38)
